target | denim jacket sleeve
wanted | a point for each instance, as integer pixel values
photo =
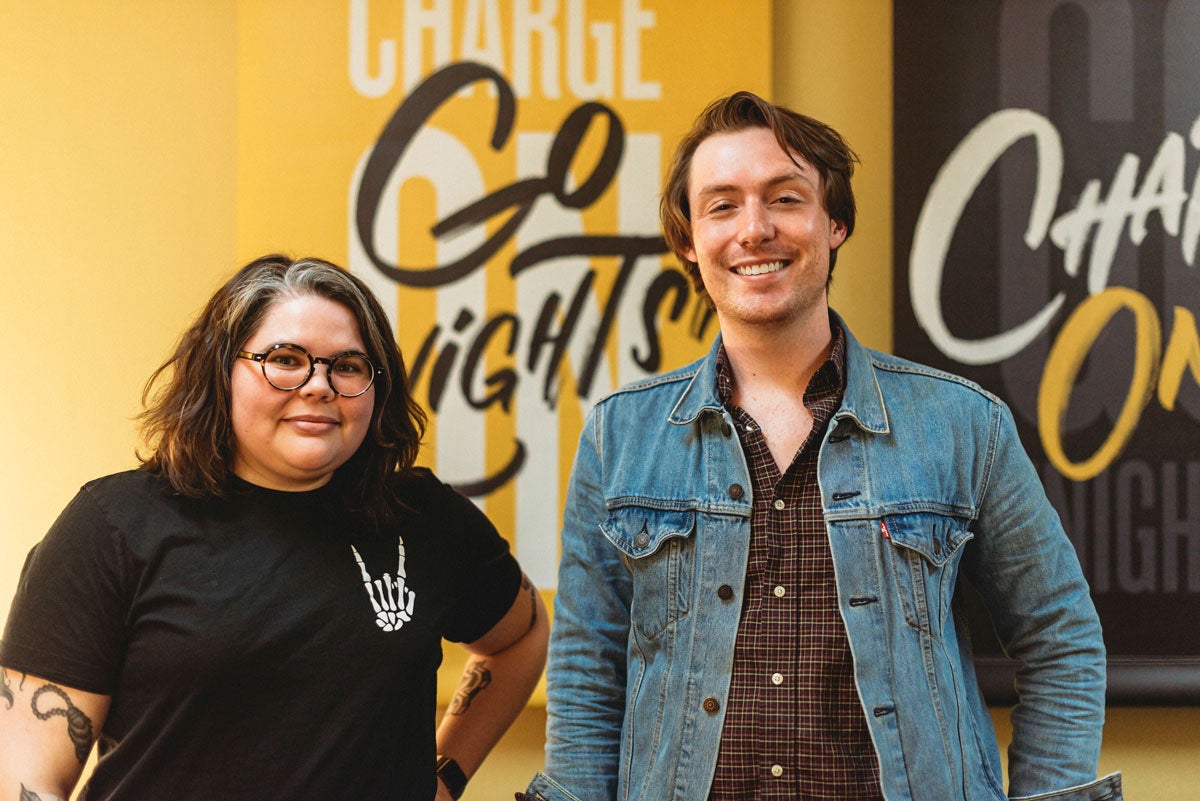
(1029, 577)
(586, 683)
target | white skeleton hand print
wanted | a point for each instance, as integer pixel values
(392, 599)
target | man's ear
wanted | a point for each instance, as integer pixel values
(837, 233)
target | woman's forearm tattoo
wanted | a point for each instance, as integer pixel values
(79, 725)
(527, 585)
(6, 690)
(475, 678)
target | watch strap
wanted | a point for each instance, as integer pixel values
(452, 776)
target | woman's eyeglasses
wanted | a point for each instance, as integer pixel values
(288, 367)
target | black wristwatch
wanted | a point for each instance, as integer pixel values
(452, 776)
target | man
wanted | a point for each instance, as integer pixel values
(761, 550)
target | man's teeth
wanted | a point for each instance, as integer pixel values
(759, 269)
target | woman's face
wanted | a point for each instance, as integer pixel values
(295, 440)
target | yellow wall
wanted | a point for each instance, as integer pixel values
(117, 217)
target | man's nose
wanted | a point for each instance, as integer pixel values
(757, 226)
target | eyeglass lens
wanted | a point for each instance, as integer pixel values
(287, 368)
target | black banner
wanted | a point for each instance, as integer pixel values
(1047, 216)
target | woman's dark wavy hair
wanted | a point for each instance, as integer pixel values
(814, 141)
(186, 421)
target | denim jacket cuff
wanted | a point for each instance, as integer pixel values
(1105, 789)
(543, 788)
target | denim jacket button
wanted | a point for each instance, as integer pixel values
(736, 492)
(711, 705)
(641, 540)
(724, 592)
(726, 429)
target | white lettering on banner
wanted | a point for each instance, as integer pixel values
(481, 39)
(528, 25)
(603, 56)
(600, 49)
(1161, 191)
(419, 22)
(1136, 527)
(635, 20)
(361, 79)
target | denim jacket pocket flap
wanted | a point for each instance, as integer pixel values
(640, 531)
(935, 537)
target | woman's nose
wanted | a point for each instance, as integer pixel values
(318, 384)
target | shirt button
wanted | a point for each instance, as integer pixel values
(779, 504)
(780, 592)
(777, 679)
(711, 705)
(736, 492)
(642, 540)
(724, 592)
(777, 771)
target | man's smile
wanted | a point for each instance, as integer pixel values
(760, 269)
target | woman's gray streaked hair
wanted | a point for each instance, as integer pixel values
(186, 422)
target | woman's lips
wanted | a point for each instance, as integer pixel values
(312, 423)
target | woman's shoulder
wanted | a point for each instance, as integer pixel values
(138, 480)
(425, 496)
(137, 487)
(419, 489)
(126, 500)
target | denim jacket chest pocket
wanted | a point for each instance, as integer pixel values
(926, 549)
(656, 546)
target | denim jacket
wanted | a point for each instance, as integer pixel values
(922, 478)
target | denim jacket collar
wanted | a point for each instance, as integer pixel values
(863, 402)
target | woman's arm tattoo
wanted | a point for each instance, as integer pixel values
(79, 725)
(6, 689)
(527, 585)
(474, 679)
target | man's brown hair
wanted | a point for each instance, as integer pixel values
(798, 135)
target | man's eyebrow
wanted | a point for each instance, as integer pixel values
(781, 178)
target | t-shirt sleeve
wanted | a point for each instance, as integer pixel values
(487, 575)
(67, 621)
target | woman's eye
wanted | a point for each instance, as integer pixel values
(351, 365)
(286, 360)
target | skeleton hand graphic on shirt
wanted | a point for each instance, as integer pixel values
(391, 598)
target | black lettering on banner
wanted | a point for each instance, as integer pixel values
(518, 349)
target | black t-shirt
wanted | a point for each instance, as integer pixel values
(244, 640)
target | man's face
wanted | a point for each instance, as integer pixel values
(760, 232)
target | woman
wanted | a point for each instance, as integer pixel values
(258, 611)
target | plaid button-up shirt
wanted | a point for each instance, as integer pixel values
(794, 726)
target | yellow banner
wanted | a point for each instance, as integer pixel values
(493, 170)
